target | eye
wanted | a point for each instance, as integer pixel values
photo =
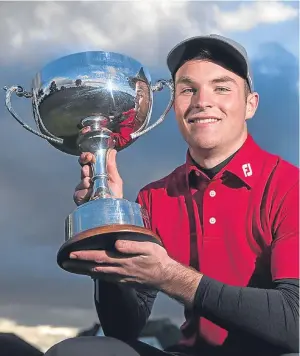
(188, 91)
(222, 89)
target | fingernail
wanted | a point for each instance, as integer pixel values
(73, 255)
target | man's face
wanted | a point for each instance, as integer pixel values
(142, 99)
(210, 105)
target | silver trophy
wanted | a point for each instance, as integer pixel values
(112, 94)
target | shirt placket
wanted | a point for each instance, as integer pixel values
(210, 211)
(197, 190)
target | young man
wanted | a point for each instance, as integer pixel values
(228, 219)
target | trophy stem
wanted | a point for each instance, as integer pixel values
(100, 177)
(97, 141)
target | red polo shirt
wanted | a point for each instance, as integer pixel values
(240, 228)
(125, 129)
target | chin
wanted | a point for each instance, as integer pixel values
(203, 144)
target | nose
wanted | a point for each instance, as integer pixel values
(202, 99)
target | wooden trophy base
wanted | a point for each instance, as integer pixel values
(100, 238)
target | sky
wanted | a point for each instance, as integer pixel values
(37, 182)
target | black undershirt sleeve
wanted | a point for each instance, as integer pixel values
(271, 315)
(123, 311)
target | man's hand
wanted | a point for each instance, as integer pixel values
(83, 190)
(144, 263)
(133, 262)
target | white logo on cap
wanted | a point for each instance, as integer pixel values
(247, 169)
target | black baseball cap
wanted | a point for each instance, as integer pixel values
(225, 51)
(140, 76)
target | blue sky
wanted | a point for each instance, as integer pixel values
(37, 181)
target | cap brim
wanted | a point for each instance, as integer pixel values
(140, 76)
(221, 51)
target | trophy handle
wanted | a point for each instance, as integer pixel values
(158, 86)
(20, 92)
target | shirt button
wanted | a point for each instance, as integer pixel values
(212, 221)
(212, 193)
(197, 173)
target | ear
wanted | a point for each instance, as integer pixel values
(251, 105)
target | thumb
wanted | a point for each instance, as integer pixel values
(112, 168)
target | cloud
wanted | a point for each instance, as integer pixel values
(32, 32)
(44, 29)
(248, 16)
(40, 336)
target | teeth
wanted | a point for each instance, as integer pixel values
(204, 121)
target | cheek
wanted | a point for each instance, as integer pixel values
(180, 107)
(231, 107)
(179, 114)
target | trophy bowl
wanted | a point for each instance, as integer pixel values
(99, 85)
(111, 94)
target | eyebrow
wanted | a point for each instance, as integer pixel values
(184, 80)
(223, 79)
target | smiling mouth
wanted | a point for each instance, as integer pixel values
(206, 120)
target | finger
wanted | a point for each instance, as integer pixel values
(86, 158)
(87, 255)
(82, 196)
(113, 271)
(112, 275)
(112, 169)
(99, 256)
(83, 191)
(134, 247)
(84, 267)
(86, 171)
(85, 183)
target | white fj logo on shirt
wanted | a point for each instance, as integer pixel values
(247, 169)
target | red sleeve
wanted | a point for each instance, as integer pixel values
(126, 128)
(143, 200)
(285, 246)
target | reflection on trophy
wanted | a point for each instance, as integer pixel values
(112, 94)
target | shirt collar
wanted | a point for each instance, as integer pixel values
(245, 165)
